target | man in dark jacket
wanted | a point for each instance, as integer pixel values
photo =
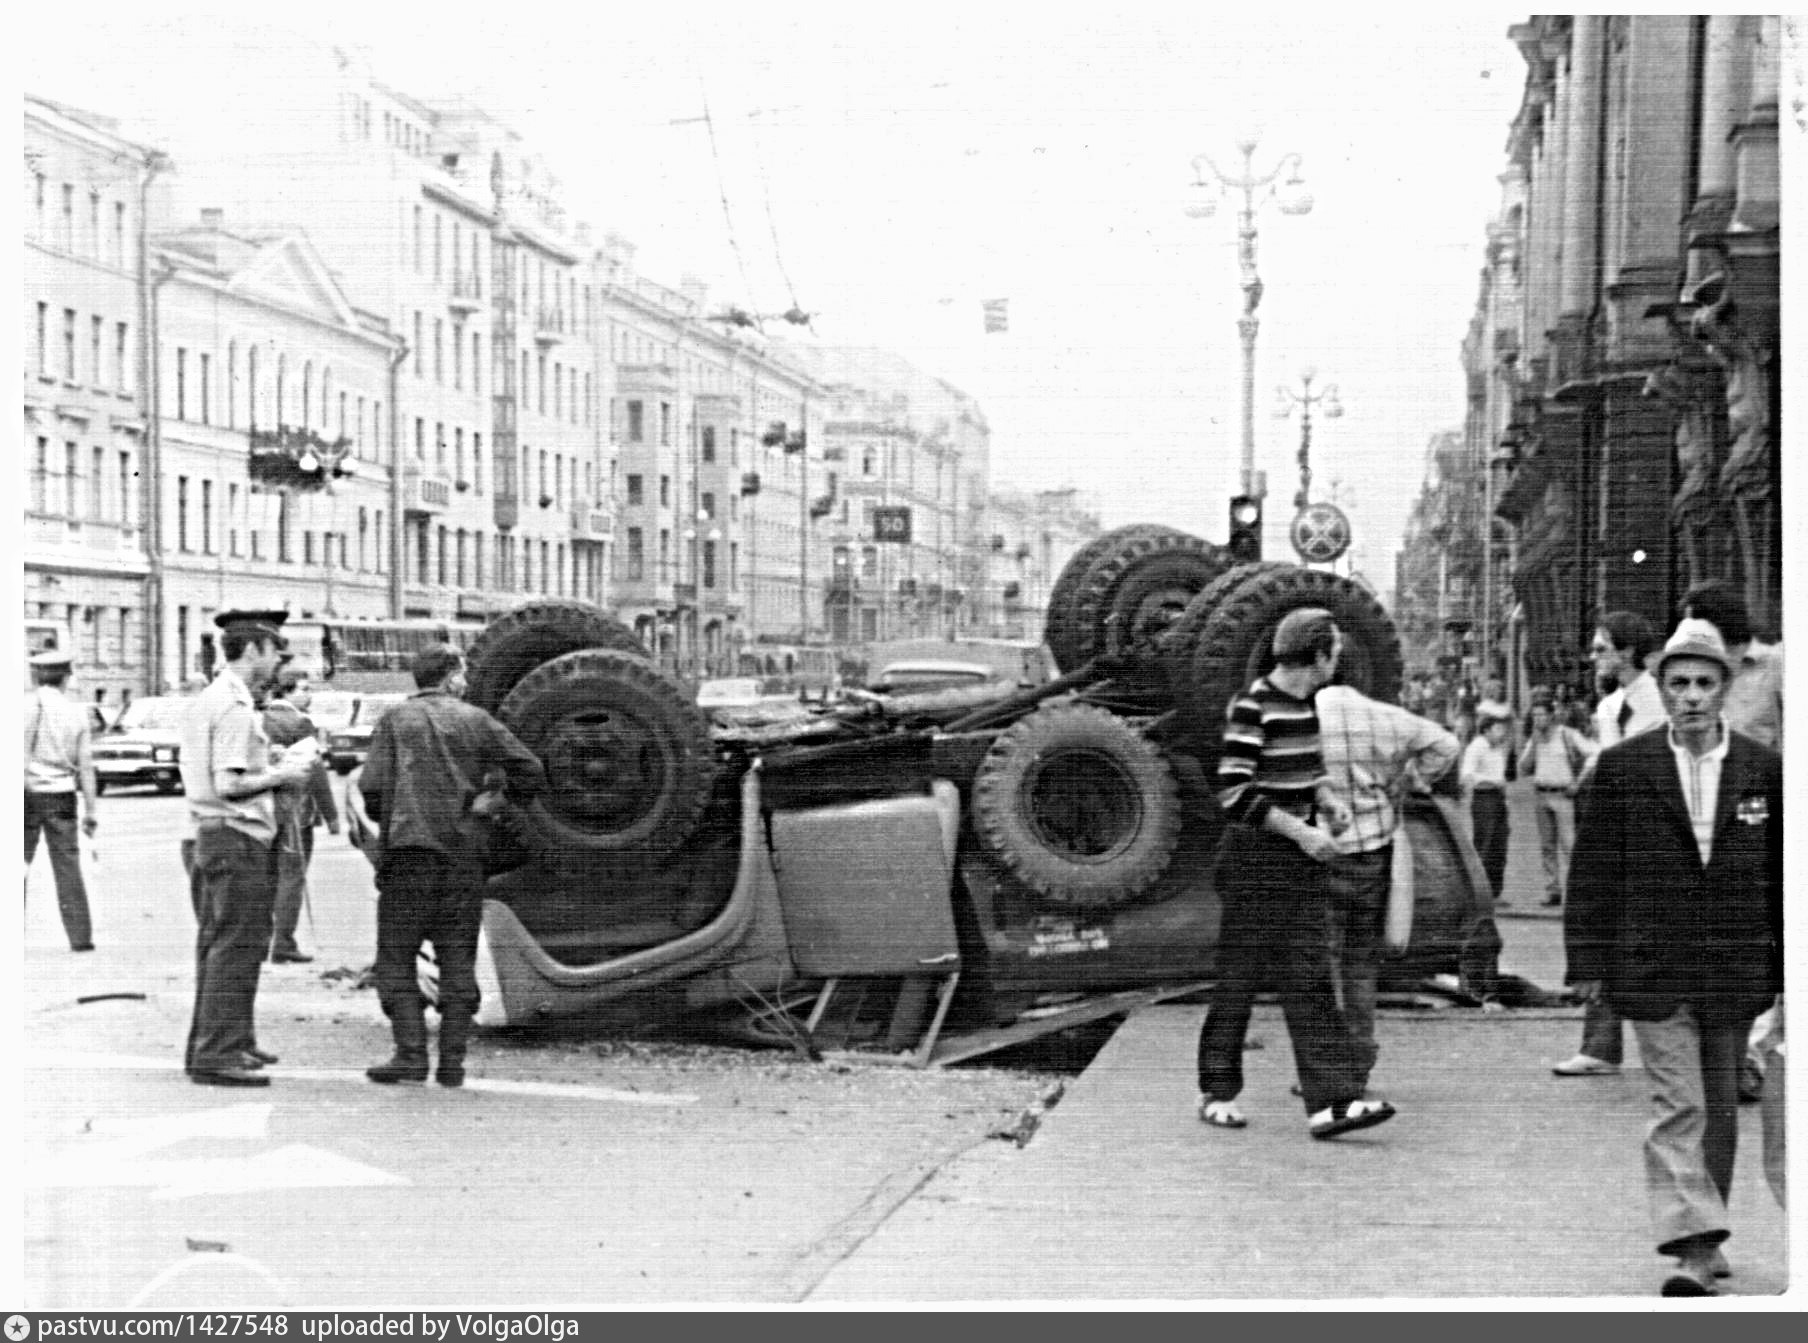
(1676, 922)
(430, 757)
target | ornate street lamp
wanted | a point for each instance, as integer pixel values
(1305, 398)
(1286, 189)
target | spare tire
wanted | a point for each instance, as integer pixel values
(1179, 641)
(1138, 588)
(1079, 805)
(1236, 644)
(1061, 624)
(629, 764)
(515, 643)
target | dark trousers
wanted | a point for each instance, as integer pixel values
(1275, 930)
(54, 814)
(1603, 1033)
(426, 896)
(233, 885)
(1359, 885)
(1488, 812)
(291, 890)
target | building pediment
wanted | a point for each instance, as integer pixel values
(288, 272)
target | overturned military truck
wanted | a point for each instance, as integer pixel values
(926, 876)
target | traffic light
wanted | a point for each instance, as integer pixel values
(1245, 543)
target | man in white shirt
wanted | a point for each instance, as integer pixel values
(1555, 758)
(1372, 752)
(58, 767)
(1622, 642)
(1676, 918)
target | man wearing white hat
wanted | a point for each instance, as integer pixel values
(1676, 921)
(58, 768)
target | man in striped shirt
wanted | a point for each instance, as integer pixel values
(1271, 883)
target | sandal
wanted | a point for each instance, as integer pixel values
(1348, 1117)
(1221, 1114)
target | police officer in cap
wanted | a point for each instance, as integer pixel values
(58, 767)
(229, 776)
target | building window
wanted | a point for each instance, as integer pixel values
(182, 513)
(477, 462)
(709, 443)
(665, 424)
(418, 365)
(665, 491)
(38, 185)
(94, 368)
(181, 383)
(439, 350)
(119, 235)
(637, 553)
(458, 355)
(439, 445)
(122, 377)
(440, 553)
(69, 344)
(420, 438)
(476, 364)
(94, 224)
(284, 540)
(636, 490)
(544, 492)
(72, 473)
(342, 414)
(540, 403)
(458, 455)
(67, 238)
(40, 478)
(207, 517)
(376, 542)
(477, 570)
(95, 499)
(709, 564)
(43, 339)
(232, 518)
(708, 506)
(637, 429)
(206, 387)
(460, 544)
(125, 488)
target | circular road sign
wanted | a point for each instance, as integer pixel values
(1321, 533)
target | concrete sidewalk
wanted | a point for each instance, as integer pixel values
(1495, 1180)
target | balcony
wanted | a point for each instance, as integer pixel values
(466, 297)
(549, 326)
(425, 491)
(592, 524)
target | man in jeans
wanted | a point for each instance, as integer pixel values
(229, 781)
(430, 757)
(58, 769)
(1372, 752)
(1622, 641)
(1271, 879)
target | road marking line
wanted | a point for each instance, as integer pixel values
(64, 1061)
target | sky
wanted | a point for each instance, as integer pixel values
(889, 174)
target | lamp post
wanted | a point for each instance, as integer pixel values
(1256, 190)
(1305, 398)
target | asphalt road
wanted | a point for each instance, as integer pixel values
(568, 1171)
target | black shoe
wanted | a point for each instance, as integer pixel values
(228, 1077)
(401, 1068)
(1553, 902)
(290, 958)
(81, 946)
(263, 1056)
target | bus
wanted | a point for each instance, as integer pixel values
(789, 669)
(369, 655)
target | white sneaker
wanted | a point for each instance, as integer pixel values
(1584, 1065)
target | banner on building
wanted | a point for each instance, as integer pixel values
(998, 315)
(891, 522)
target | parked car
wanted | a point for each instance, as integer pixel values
(144, 746)
(731, 692)
(347, 746)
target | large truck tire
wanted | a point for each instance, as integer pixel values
(1078, 805)
(1061, 624)
(1236, 643)
(1132, 595)
(515, 643)
(629, 764)
(1181, 639)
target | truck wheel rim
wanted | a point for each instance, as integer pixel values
(1082, 805)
